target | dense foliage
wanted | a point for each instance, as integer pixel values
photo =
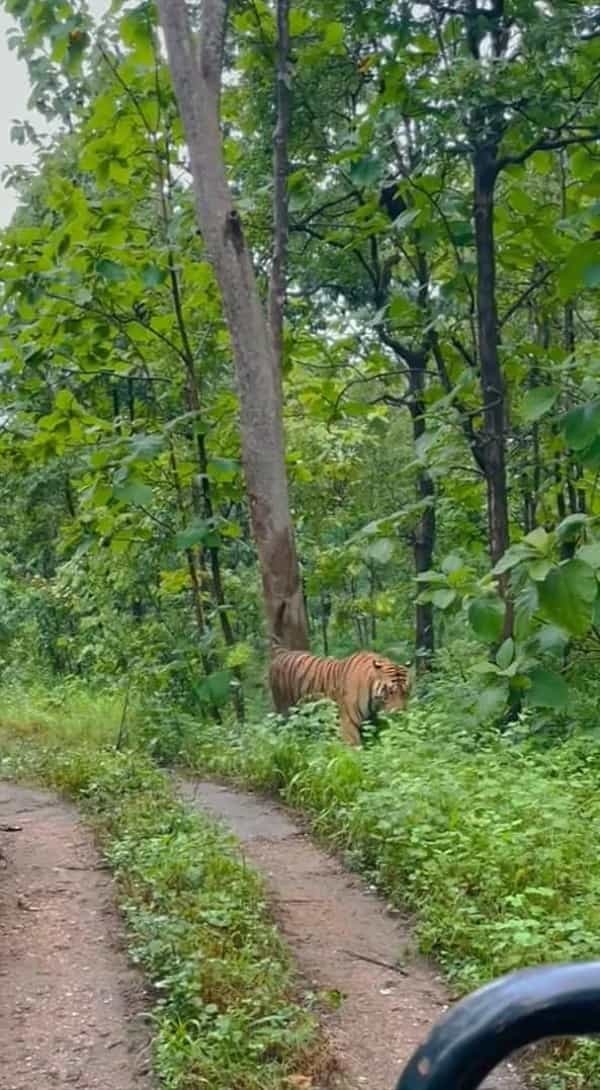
(425, 296)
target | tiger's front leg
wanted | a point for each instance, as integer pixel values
(348, 730)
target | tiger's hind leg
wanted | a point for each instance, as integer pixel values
(348, 730)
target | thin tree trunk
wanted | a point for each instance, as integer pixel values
(197, 81)
(492, 384)
(277, 284)
(325, 616)
(424, 533)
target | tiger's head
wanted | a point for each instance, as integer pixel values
(391, 685)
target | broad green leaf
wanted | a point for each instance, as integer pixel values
(215, 688)
(521, 200)
(571, 527)
(136, 32)
(452, 563)
(406, 218)
(133, 491)
(551, 640)
(581, 268)
(365, 171)
(443, 598)
(194, 534)
(539, 539)
(381, 550)
(590, 554)
(492, 701)
(64, 401)
(111, 270)
(513, 556)
(567, 594)
(222, 469)
(537, 402)
(506, 654)
(152, 276)
(334, 34)
(538, 569)
(145, 447)
(582, 425)
(590, 457)
(486, 617)
(547, 690)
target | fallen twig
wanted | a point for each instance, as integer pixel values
(376, 961)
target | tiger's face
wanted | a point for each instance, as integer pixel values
(392, 685)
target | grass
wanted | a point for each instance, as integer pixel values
(492, 843)
(225, 1015)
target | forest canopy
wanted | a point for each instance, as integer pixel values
(418, 187)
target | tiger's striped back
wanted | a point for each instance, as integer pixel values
(361, 684)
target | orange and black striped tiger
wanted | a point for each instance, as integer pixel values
(361, 685)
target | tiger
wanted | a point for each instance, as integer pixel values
(361, 685)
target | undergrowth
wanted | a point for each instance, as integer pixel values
(225, 1015)
(490, 839)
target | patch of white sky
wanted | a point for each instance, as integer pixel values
(14, 96)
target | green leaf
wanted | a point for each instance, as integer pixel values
(551, 640)
(567, 594)
(365, 171)
(133, 491)
(582, 268)
(492, 702)
(513, 556)
(452, 563)
(486, 617)
(443, 598)
(194, 534)
(582, 425)
(222, 469)
(111, 271)
(539, 539)
(136, 32)
(215, 688)
(537, 402)
(548, 690)
(381, 550)
(406, 218)
(538, 569)
(152, 276)
(570, 527)
(145, 447)
(506, 654)
(334, 34)
(590, 554)
(64, 401)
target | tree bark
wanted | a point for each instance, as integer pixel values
(492, 384)
(424, 533)
(277, 283)
(197, 80)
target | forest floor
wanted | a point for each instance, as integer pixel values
(71, 1008)
(344, 941)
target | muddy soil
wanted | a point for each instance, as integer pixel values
(72, 1011)
(343, 940)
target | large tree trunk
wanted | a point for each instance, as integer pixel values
(492, 384)
(196, 74)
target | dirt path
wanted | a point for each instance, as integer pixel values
(70, 1007)
(340, 933)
